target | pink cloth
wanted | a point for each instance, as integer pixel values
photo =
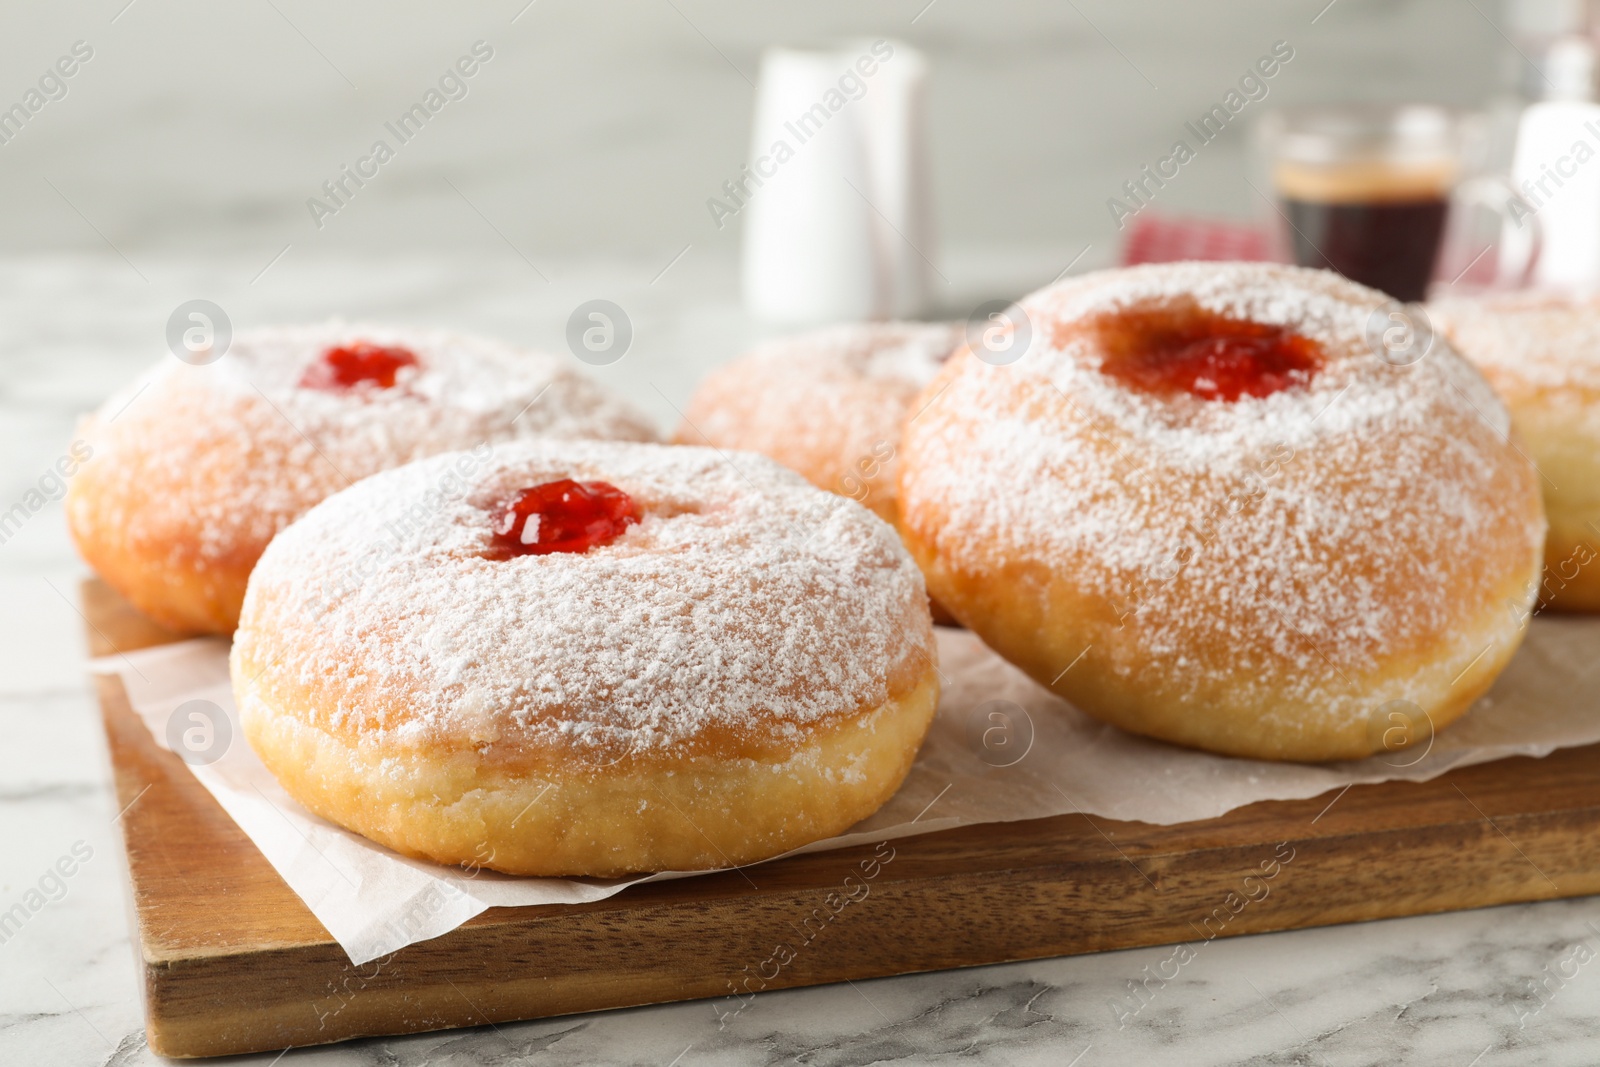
(1153, 239)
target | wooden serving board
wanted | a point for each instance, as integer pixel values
(234, 962)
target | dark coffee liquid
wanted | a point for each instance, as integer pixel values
(1389, 245)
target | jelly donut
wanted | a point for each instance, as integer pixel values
(1202, 508)
(1542, 354)
(828, 404)
(587, 658)
(196, 467)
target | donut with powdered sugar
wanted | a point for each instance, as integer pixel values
(194, 468)
(587, 658)
(828, 403)
(1541, 352)
(1202, 508)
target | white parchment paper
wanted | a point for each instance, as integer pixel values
(1001, 749)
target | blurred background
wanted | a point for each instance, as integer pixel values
(599, 130)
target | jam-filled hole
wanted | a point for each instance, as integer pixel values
(562, 516)
(359, 363)
(1183, 348)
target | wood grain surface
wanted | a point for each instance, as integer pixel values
(234, 962)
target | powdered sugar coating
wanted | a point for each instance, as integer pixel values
(1274, 547)
(465, 388)
(1527, 341)
(828, 403)
(258, 449)
(910, 352)
(744, 608)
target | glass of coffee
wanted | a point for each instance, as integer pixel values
(1368, 191)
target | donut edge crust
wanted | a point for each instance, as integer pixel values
(630, 817)
(156, 564)
(1565, 446)
(1447, 682)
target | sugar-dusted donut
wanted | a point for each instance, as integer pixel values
(1541, 352)
(587, 658)
(195, 468)
(1203, 509)
(828, 403)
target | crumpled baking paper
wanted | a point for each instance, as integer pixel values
(1001, 749)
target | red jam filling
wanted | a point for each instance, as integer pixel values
(563, 516)
(358, 363)
(1185, 349)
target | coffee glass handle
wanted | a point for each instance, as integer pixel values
(1517, 245)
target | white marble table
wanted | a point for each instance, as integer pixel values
(1449, 989)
